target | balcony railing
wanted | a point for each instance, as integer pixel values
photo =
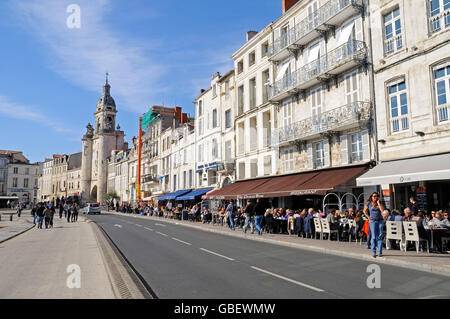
(331, 13)
(393, 44)
(442, 112)
(340, 118)
(149, 179)
(328, 64)
(399, 123)
(439, 21)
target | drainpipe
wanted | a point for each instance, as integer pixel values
(372, 91)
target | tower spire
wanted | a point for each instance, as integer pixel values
(107, 74)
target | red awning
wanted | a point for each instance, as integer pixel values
(308, 183)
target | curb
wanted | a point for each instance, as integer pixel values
(435, 269)
(17, 234)
(126, 283)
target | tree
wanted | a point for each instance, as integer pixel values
(110, 197)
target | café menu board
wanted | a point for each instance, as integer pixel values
(386, 198)
(421, 198)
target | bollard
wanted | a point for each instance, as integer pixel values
(10, 218)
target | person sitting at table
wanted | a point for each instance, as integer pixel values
(440, 221)
(407, 215)
(333, 220)
(445, 214)
(290, 221)
(299, 223)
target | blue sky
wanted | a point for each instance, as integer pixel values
(157, 52)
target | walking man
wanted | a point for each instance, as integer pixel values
(40, 214)
(69, 213)
(249, 212)
(34, 214)
(230, 211)
(65, 208)
(259, 214)
(75, 213)
(47, 217)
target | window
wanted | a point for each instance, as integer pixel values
(2, 163)
(267, 165)
(442, 91)
(439, 18)
(252, 85)
(240, 100)
(288, 159)
(15, 181)
(200, 153)
(240, 66)
(398, 106)
(215, 149)
(174, 182)
(228, 155)
(214, 118)
(392, 32)
(356, 147)
(214, 90)
(25, 182)
(351, 87)
(287, 114)
(184, 180)
(264, 49)
(228, 119)
(190, 178)
(200, 108)
(265, 83)
(227, 88)
(251, 58)
(316, 107)
(16, 170)
(200, 126)
(319, 155)
(27, 171)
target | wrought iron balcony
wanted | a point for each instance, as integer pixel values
(329, 16)
(226, 166)
(338, 119)
(335, 62)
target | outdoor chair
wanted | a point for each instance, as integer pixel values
(412, 234)
(351, 230)
(326, 229)
(317, 228)
(394, 231)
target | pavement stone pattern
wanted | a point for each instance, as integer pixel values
(34, 265)
(434, 263)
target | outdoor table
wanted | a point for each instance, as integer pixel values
(438, 230)
(282, 224)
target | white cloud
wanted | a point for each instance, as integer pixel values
(13, 110)
(82, 56)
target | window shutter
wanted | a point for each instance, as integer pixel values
(277, 34)
(326, 152)
(366, 145)
(309, 156)
(344, 149)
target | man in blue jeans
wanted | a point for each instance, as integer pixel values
(249, 212)
(230, 211)
(259, 214)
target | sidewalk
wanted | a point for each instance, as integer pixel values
(12, 229)
(34, 264)
(434, 263)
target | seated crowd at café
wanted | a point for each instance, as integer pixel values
(300, 222)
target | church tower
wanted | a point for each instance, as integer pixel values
(98, 143)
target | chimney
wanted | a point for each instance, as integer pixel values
(287, 4)
(251, 34)
(202, 90)
(125, 146)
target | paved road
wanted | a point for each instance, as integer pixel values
(181, 262)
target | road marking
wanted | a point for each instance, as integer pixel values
(117, 225)
(288, 279)
(162, 234)
(148, 229)
(211, 252)
(138, 225)
(181, 241)
(160, 225)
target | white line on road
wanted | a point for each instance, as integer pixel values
(211, 252)
(160, 225)
(181, 241)
(288, 279)
(162, 234)
(148, 228)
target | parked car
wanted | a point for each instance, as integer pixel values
(92, 208)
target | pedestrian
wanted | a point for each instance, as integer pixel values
(40, 213)
(52, 214)
(413, 206)
(75, 213)
(65, 208)
(69, 213)
(249, 212)
(61, 210)
(47, 217)
(34, 214)
(230, 211)
(259, 214)
(373, 210)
